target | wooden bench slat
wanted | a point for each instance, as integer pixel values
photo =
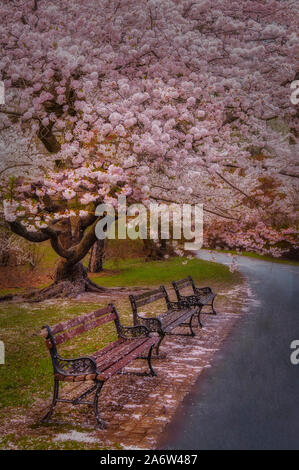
(147, 294)
(81, 319)
(148, 300)
(119, 352)
(173, 322)
(107, 348)
(61, 338)
(206, 298)
(128, 358)
(183, 282)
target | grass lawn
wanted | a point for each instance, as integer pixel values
(136, 272)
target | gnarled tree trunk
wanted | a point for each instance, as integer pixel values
(71, 241)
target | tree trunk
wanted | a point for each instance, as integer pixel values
(152, 250)
(157, 251)
(66, 271)
(70, 280)
(96, 257)
(70, 241)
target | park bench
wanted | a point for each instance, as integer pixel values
(176, 314)
(131, 343)
(200, 297)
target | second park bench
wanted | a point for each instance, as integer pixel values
(173, 314)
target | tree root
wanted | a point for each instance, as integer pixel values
(64, 289)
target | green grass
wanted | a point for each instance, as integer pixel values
(251, 254)
(14, 290)
(136, 272)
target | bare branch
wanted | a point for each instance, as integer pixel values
(204, 208)
(14, 166)
(239, 190)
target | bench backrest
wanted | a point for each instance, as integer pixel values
(182, 284)
(62, 332)
(146, 298)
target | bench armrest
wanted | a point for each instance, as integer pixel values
(188, 300)
(203, 290)
(77, 366)
(129, 332)
(177, 305)
(151, 323)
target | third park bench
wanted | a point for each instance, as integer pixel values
(200, 297)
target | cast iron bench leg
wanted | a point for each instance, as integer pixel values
(212, 305)
(190, 325)
(54, 401)
(101, 423)
(149, 360)
(162, 336)
(198, 317)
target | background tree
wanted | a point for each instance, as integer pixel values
(96, 258)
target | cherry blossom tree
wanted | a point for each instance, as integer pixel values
(169, 101)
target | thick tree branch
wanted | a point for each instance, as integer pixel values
(37, 237)
(88, 220)
(82, 248)
(55, 243)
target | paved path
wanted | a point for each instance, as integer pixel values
(250, 398)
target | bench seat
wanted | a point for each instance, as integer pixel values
(174, 318)
(201, 296)
(120, 355)
(177, 313)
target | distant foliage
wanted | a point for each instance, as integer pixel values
(15, 251)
